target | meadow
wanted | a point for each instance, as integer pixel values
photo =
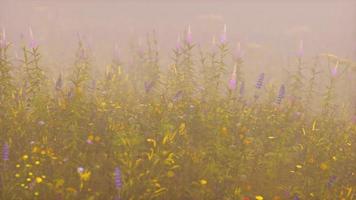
(196, 129)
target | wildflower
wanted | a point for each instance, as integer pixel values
(259, 197)
(223, 36)
(39, 180)
(178, 44)
(232, 82)
(334, 70)
(189, 38)
(36, 193)
(148, 86)
(300, 51)
(80, 170)
(5, 152)
(299, 166)
(17, 175)
(242, 88)
(331, 181)
(25, 157)
(37, 162)
(324, 166)
(260, 80)
(117, 177)
(203, 181)
(33, 43)
(59, 82)
(41, 123)
(178, 95)
(281, 94)
(85, 176)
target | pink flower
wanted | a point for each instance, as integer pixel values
(33, 43)
(178, 44)
(189, 38)
(334, 70)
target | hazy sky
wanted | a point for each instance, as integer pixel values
(270, 26)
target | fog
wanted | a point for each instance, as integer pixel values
(272, 30)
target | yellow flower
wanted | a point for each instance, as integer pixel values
(18, 166)
(324, 166)
(30, 173)
(299, 166)
(39, 180)
(203, 182)
(36, 193)
(37, 162)
(28, 180)
(17, 175)
(259, 197)
(170, 173)
(85, 176)
(25, 157)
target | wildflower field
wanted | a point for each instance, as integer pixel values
(195, 129)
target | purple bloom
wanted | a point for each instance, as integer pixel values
(178, 95)
(260, 80)
(334, 70)
(148, 86)
(232, 82)
(80, 170)
(223, 36)
(117, 177)
(296, 197)
(5, 152)
(242, 88)
(59, 82)
(178, 44)
(33, 43)
(281, 94)
(331, 181)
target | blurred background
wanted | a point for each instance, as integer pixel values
(269, 32)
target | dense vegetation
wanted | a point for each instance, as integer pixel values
(193, 131)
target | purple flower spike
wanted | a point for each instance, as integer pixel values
(300, 52)
(189, 38)
(260, 80)
(281, 94)
(223, 35)
(232, 82)
(148, 86)
(33, 43)
(334, 70)
(5, 152)
(178, 44)
(242, 88)
(117, 177)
